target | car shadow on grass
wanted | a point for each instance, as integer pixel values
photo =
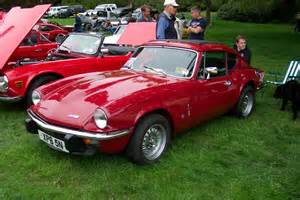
(8, 107)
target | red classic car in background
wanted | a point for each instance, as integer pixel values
(22, 42)
(53, 32)
(79, 53)
(165, 88)
(35, 46)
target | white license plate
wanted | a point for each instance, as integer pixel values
(53, 142)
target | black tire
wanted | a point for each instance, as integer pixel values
(135, 148)
(242, 110)
(35, 84)
(60, 38)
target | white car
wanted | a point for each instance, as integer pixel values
(106, 7)
(88, 12)
(137, 13)
(113, 39)
(53, 11)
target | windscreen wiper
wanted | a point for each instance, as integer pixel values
(160, 71)
(67, 48)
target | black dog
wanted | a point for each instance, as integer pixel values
(289, 92)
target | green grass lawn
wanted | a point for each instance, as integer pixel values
(227, 158)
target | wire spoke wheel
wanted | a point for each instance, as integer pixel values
(247, 104)
(154, 141)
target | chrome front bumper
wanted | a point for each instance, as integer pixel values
(10, 99)
(77, 133)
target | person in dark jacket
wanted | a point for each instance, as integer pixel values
(146, 14)
(165, 28)
(197, 25)
(241, 47)
(78, 24)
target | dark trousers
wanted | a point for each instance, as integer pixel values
(297, 27)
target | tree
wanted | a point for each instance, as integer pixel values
(131, 3)
(208, 11)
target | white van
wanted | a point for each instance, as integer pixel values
(53, 11)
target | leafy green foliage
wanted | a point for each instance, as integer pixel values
(258, 11)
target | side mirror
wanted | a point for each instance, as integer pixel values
(211, 71)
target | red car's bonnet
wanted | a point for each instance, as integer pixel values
(92, 91)
(138, 33)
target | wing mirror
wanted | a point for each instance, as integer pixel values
(211, 71)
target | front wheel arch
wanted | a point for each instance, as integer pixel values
(159, 111)
(31, 83)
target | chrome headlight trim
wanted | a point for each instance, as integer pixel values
(100, 118)
(36, 97)
(3, 84)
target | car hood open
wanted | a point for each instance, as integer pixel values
(83, 95)
(14, 27)
(138, 33)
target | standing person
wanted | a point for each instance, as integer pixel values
(165, 28)
(78, 24)
(131, 18)
(241, 47)
(197, 26)
(297, 27)
(146, 14)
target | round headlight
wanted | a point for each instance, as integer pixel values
(100, 119)
(36, 97)
(3, 84)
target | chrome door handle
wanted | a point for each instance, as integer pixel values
(228, 83)
(38, 50)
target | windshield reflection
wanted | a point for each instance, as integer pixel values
(165, 61)
(83, 44)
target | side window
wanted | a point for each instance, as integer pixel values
(46, 28)
(231, 61)
(213, 65)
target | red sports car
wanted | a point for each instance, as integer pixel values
(165, 88)
(79, 53)
(52, 32)
(35, 46)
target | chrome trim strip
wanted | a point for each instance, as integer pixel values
(11, 99)
(81, 134)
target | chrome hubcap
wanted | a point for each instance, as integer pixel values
(154, 142)
(247, 104)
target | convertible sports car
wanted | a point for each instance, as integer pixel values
(79, 53)
(165, 88)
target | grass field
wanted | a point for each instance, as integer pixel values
(228, 158)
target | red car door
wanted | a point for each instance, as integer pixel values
(36, 49)
(214, 91)
(37, 52)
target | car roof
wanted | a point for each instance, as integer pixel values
(199, 45)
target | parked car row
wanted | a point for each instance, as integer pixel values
(64, 11)
(86, 97)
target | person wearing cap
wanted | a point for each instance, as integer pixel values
(197, 25)
(165, 28)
